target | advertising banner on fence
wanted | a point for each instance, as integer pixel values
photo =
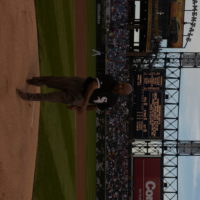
(146, 178)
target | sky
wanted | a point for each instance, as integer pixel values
(189, 129)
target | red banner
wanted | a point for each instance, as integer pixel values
(146, 178)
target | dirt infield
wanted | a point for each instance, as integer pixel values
(80, 145)
(19, 119)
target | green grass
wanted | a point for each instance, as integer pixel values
(55, 164)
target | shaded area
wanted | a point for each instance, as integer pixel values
(91, 117)
(85, 65)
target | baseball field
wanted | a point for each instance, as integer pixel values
(65, 163)
(46, 151)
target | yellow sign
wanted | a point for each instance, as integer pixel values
(176, 24)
